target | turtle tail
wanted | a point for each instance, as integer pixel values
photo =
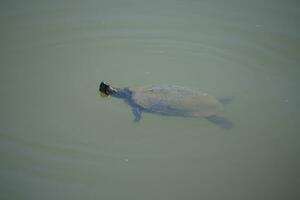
(226, 100)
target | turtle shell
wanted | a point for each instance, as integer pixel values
(175, 100)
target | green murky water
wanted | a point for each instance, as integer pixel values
(60, 140)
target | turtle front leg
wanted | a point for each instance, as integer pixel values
(137, 114)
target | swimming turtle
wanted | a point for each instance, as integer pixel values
(170, 100)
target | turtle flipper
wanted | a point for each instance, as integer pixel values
(137, 114)
(220, 121)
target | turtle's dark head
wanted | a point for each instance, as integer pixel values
(106, 90)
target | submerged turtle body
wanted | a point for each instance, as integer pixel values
(175, 100)
(169, 100)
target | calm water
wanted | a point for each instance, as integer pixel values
(60, 140)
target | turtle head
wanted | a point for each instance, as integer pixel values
(106, 90)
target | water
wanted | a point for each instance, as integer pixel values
(60, 140)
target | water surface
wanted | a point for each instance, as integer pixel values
(60, 140)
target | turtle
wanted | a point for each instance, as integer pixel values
(170, 100)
